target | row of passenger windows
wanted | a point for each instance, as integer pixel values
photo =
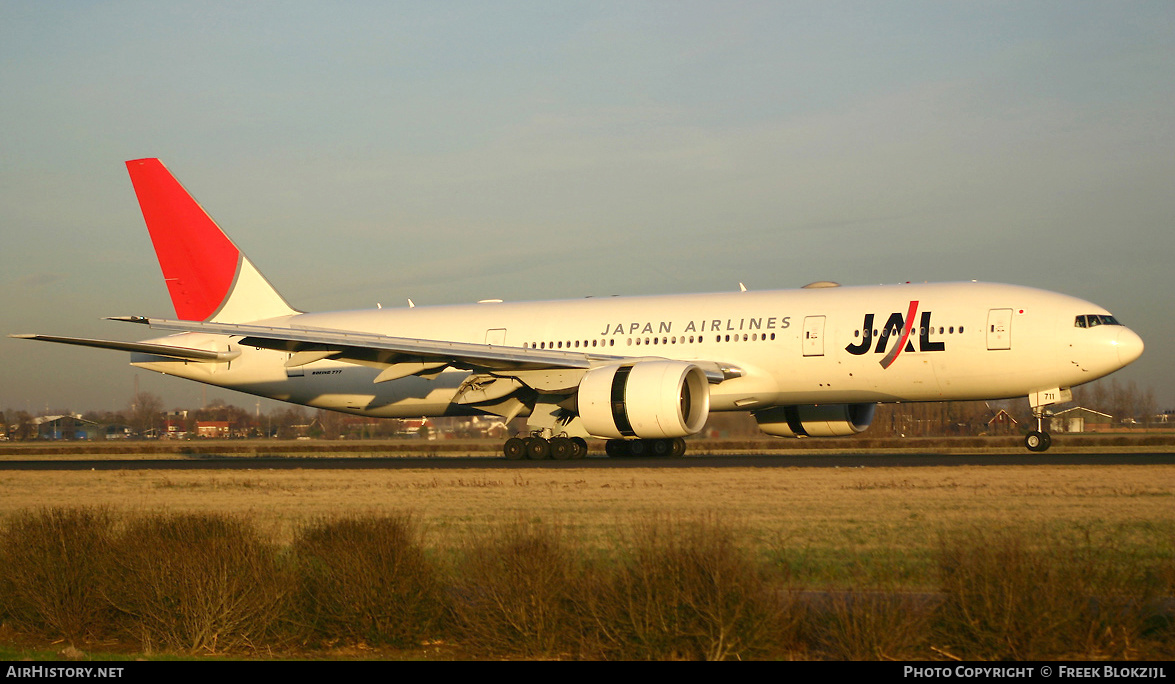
(921, 331)
(569, 344)
(752, 337)
(1084, 321)
(638, 341)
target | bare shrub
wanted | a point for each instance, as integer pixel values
(517, 593)
(686, 591)
(1022, 595)
(197, 582)
(864, 625)
(368, 579)
(53, 567)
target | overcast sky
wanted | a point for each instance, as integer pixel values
(366, 152)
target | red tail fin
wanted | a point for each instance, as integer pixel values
(207, 276)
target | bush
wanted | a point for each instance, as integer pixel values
(1023, 596)
(860, 625)
(54, 564)
(518, 592)
(687, 591)
(368, 579)
(197, 582)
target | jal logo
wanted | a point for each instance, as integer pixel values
(897, 327)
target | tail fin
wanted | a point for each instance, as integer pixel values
(208, 277)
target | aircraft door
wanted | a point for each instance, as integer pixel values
(999, 329)
(496, 337)
(814, 336)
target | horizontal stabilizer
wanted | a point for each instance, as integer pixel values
(183, 353)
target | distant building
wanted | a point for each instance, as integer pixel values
(212, 429)
(1080, 419)
(115, 431)
(417, 427)
(68, 427)
(175, 424)
(1002, 423)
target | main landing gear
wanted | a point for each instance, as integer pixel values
(645, 448)
(537, 448)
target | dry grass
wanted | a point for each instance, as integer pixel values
(848, 526)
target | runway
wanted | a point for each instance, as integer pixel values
(837, 460)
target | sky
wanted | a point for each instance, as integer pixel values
(448, 152)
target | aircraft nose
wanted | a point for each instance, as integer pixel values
(1129, 346)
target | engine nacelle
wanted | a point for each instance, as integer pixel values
(816, 420)
(646, 399)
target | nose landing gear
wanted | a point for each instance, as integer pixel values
(1038, 440)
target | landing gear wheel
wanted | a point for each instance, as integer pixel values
(678, 448)
(562, 449)
(1038, 441)
(660, 447)
(538, 449)
(638, 448)
(581, 448)
(515, 449)
(616, 448)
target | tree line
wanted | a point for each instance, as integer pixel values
(1126, 403)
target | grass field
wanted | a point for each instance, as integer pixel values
(822, 526)
(1015, 551)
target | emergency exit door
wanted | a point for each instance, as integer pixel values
(999, 329)
(814, 336)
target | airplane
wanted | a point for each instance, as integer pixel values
(640, 372)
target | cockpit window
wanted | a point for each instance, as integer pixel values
(1090, 320)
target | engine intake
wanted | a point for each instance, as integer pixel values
(646, 399)
(816, 420)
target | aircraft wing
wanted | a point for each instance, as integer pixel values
(183, 353)
(313, 344)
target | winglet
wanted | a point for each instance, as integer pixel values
(206, 274)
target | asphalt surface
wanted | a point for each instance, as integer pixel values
(838, 460)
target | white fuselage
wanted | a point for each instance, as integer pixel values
(807, 346)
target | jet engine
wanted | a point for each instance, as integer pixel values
(646, 399)
(816, 420)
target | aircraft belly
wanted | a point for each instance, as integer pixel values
(351, 388)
